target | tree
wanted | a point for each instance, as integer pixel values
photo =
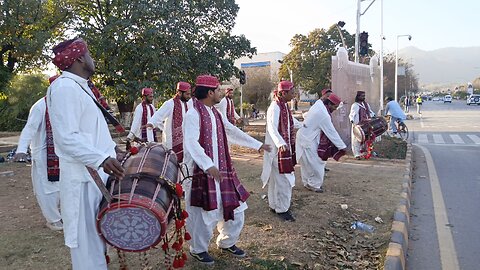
(20, 94)
(158, 43)
(27, 28)
(408, 82)
(258, 87)
(311, 57)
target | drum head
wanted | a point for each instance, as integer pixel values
(130, 228)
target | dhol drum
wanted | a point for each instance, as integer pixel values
(373, 127)
(137, 217)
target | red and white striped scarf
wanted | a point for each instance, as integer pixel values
(230, 110)
(203, 185)
(53, 164)
(286, 159)
(177, 133)
(145, 120)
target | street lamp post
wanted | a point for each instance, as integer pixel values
(396, 65)
(381, 56)
(340, 25)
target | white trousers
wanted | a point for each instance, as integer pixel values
(200, 224)
(356, 146)
(312, 168)
(50, 205)
(279, 190)
(90, 253)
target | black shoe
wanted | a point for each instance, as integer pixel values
(287, 216)
(203, 257)
(327, 169)
(235, 251)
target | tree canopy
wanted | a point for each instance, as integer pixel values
(158, 43)
(311, 57)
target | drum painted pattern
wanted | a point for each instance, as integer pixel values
(376, 126)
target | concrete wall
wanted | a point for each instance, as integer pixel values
(348, 78)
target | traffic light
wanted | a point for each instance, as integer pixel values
(243, 77)
(363, 50)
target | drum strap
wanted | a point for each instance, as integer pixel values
(98, 180)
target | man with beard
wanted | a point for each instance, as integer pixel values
(317, 135)
(142, 115)
(169, 118)
(82, 143)
(278, 165)
(360, 112)
(227, 107)
(214, 196)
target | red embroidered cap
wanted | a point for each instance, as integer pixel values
(53, 78)
(334, 99)
(183, 86)
(285, 86)
(207, 81)
(228, 90)
(325, 91)
(68, 51)
(147, 91)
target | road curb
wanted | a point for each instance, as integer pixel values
(397, 248)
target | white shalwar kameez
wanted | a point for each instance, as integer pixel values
(34, 134)
(355, 119)
(222, 107)
(279, 185)
(163, 118)
(200, 223)
(307, 140)
(136, 127)
(81, 139)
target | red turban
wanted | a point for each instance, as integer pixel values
(334, 99)
(325, 91)
(147, 91)
(207, 81)
(285, 86)
(53, 78)
(183, 86)
(67, 52)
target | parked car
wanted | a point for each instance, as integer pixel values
(447, 98)
(473, 99)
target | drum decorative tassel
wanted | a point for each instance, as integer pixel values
(144, 202)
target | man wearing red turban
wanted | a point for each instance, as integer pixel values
(82, 142)
(141, 116)
(317, 141)
(278, 165)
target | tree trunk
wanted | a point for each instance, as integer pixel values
(126, 113)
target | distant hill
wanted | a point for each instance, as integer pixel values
(444, 66)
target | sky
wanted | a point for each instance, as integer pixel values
(433, 24)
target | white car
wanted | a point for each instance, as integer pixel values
(447, 98)
(473, 99)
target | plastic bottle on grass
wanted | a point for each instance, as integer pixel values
(357, 225)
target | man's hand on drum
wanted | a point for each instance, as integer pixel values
(283, 148)
(112, 167)
(20, 157)
(213, 171)
(265, 147)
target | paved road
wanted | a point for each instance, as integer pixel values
(445, 231)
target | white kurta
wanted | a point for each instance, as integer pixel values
(34, 134)
(279, 185)
(82, 138)
(308, 137)
(354, 117)
(136, 128)
(163, 119)
(201, 223)
(222, 107)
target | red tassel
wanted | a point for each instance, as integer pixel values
(184, 256)
(133, 150)
(184, 214)
(165, 246)
(187, 236)
(107, 258)
(179, 190)
(179, 224)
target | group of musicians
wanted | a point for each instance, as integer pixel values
(69, 136)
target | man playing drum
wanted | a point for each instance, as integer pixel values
(82, 139)
(169, 118)
(360, 112)
(214, 197)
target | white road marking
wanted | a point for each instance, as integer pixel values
(456, 139)
(474, 138)
(422, 138)
(437, 138)
(421, 122)
(448, 254)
